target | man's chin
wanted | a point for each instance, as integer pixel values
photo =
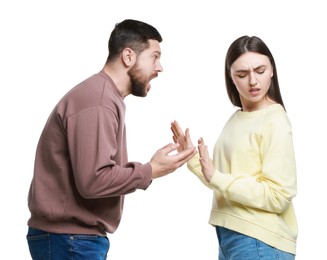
(141, 91)
(143, 94)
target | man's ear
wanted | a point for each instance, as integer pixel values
(128, 57)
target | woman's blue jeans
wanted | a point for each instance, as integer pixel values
(46, 246)
(233, 245)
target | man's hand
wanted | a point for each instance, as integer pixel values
(163, 163)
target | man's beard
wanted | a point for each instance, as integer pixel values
(138, 81)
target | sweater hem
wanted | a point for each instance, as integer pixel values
(65, 227)
(261, 233)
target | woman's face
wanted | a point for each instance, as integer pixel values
(251, 74)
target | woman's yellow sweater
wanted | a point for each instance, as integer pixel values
(255, 178)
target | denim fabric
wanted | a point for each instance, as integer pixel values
(236, 246)
(46, 246)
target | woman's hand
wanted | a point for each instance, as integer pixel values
(208, 169)
(184, 140)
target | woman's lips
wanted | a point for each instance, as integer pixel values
(254, 91)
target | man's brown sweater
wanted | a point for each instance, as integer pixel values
(81, 167)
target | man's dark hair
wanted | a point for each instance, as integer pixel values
(131, 34)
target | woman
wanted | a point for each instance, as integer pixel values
(252, 172)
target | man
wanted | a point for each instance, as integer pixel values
(81, 168)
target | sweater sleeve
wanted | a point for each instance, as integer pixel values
(94, 147)
(274, 187)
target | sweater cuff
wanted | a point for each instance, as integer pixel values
(194, 162)
(147, 173)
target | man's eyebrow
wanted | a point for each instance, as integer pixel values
(157, 52)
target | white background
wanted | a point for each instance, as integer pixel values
(47, 47)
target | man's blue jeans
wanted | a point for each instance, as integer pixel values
(233, 245)
(46, 246)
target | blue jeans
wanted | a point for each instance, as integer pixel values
(236, 246)
(46, 246)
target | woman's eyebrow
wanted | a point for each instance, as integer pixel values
(256, 68)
